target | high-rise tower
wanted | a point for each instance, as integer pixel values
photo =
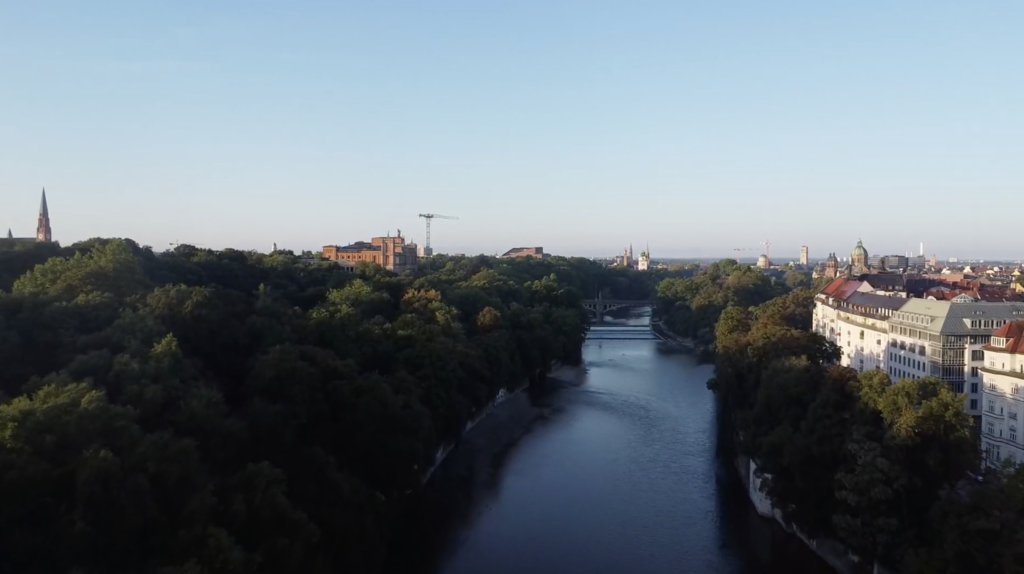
(43, 231)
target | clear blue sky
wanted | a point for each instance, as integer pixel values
(580, 126)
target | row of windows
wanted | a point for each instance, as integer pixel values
(906, 361)
(900, 374)
(990, 429)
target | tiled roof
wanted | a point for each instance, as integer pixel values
(847, 289)
(1014, 331)
(831, 288)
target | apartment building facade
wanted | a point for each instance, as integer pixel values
(856, 321)
(946, 340)
(1002, 436)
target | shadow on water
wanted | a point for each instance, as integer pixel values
(614, 467)
(470, 478)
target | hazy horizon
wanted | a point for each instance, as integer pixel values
(578, 126)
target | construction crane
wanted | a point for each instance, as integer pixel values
(429, 217)
(175, 243)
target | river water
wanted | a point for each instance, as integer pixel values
(612, 470)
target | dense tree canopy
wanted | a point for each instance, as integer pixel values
(227, 411)
(881, 466)
(691, 305)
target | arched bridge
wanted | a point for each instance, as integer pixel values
(602, 306)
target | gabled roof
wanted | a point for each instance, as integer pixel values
(1014, 331)
(833, 285)
(847, 289)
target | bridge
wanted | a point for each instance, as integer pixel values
(600, 306)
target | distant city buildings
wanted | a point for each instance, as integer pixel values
(44, 234)
(537, 252)
(642, 264)
(804, 255)
(391, 253)
(915, 325)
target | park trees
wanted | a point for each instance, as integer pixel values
(213, 411)
(842, 454)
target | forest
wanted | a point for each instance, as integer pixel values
(882, 467)
(199, 411)
(690, 306)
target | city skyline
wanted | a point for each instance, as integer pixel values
(576, 126)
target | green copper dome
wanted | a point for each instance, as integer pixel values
(859, 250)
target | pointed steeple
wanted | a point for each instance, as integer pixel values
(43, 231)
(9, 234)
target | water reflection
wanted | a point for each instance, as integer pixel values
(612, 470)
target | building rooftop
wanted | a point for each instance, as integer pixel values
(955, 318)
(1014, 331)
(879, 301)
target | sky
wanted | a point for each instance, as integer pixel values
(580, 126)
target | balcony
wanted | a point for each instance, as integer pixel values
(1013, 416)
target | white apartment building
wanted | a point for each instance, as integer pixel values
(856, 321)
(1003, 396)
(945, 340)
(863, 332)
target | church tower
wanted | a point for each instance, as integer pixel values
(832, 266)
(43, 231)
(644, 264)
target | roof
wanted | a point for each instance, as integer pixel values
(847, 289)
(833, 286)
(44, 211)
(524, 250)
(949, 318)
(879, 301)
(1014, 331)
(359, 246)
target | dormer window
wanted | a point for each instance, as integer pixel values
(1000, 342)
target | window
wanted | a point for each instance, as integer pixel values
(990, 428)
(974, 404)
(1015, 389)
(978, 355)
(991, 406)
(974, 387)
(974, 371)
(1013, 433)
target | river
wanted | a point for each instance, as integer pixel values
(612, 470)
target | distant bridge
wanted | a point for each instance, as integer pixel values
(601, 306)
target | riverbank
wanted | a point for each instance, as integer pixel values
(833, 552)
(457, 489)
(611, 468)
(500, 400)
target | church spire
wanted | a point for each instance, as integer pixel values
(9, 234)
(43, 231)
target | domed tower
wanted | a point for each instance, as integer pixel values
(859, 257)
